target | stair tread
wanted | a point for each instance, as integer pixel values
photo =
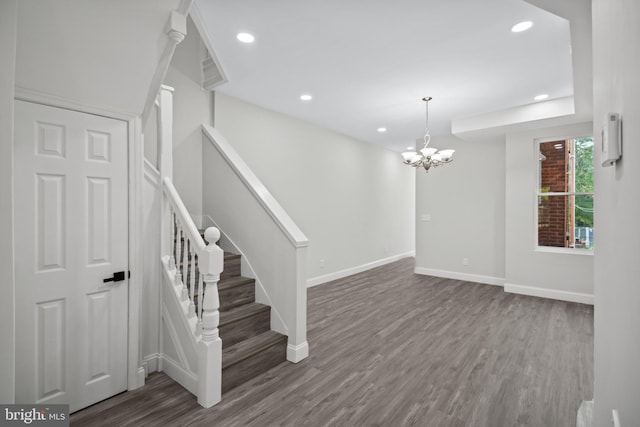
(241, 312)
(247, 348)
(232, 282)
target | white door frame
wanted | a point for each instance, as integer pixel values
(135, 370)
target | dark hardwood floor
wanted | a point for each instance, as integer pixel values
(391, 348)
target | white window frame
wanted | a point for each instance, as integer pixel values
(537, 193)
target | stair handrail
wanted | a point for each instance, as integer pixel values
(204, 304)
(182, 214)
(256, 187)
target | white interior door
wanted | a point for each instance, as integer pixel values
(71, 232)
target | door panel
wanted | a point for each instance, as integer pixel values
(71, 222)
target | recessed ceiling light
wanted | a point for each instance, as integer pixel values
(245, 37)
(522, 26)
(381, 130)
(411, 148)
(306, 97)
(541, 97)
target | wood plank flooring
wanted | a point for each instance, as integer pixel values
(391, 348)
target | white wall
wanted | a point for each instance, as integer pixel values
(150, 133)
(554, 275)
(8, 19)
(482, 209)
(191, 108)
(465, 202)
(152, 276)
(616, 49)
(353, 201)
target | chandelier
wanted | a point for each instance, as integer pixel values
(428, 157)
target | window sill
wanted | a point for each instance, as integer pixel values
(564, 251)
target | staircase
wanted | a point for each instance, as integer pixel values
(217, 335)
(249, 346)
(214, 336)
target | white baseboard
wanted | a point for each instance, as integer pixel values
(150, 363)
(488, 280)
(549, 293)
(318, 280)
(296, 353)
(141, 375)
(173, 369)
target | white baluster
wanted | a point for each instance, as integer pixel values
(192, 281)
(179, 254)
(185, 265)
(200, 298)
(172, 241)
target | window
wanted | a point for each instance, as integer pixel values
(565, 193)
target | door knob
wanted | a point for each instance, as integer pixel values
(117, 277)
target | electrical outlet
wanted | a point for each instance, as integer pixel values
(465, 261)
(321, 263)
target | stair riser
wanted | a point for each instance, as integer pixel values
(243, 329)
(255, 365)
(237, 296)
(231, 268)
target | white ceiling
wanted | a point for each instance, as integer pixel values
(368, 64)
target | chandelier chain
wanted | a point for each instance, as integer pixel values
(427, 135)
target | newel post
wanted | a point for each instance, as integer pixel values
(164, 111)
(210, 346)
